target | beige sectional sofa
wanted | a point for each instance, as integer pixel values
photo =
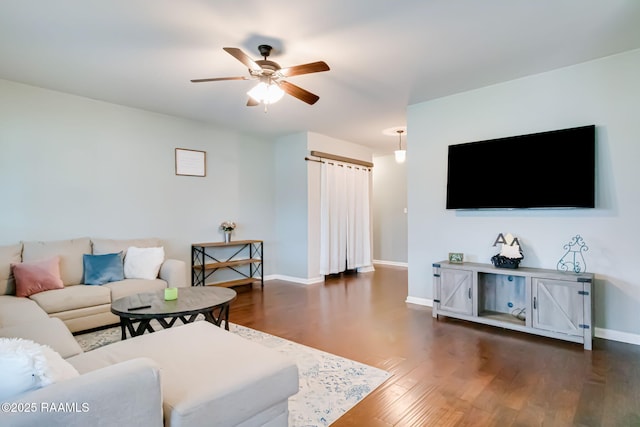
(84, 307)
(190, 375)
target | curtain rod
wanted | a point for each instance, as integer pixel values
(338, 158)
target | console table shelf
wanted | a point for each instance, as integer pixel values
(544, 302)
(243, 258)
(224, 264)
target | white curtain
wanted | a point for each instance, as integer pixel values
(345, 229)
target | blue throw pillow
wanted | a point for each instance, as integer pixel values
(101, 269)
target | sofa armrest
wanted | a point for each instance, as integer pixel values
(174, 272)
(52, 332)
(123, 394)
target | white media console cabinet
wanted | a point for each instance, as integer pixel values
(537, 301)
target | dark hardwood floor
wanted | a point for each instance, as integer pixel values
(447, 372)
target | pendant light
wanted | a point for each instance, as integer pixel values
(401, 155)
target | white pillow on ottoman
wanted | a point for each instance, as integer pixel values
(26, 365)
(143, 263)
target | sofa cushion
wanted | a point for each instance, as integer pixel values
(26, 365)
(11, 254)
(33, 277)
(207, 386)
(127, 287)
(107, 246)
(143, 263)
(69, 251)
(49, 331)
(101, 269)
(72, 297)
(14, 311)
(86, 318)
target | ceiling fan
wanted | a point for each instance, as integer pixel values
(273, 83)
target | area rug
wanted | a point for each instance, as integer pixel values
(329, 385)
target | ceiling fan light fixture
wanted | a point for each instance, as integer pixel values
(266, 93)
(273, 85)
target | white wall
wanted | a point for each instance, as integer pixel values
(604, 92)
(291, 206)
(338, 147)
(388, 204)
(72, 167)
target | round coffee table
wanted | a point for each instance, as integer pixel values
(212, 302)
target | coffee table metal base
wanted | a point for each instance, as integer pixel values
(138, 310)
(139, 326)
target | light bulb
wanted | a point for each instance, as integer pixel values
(401, 156)
(266, 93)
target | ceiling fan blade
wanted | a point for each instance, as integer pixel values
(242, 57)
(298, 92)
(217, 79)
(252, 102)
(296, 70)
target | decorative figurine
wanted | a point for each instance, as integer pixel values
(510, 253)
(573, 260)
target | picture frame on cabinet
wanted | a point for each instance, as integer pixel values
(456, 257)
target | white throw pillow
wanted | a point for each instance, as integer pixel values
(26, 365)
(143, 263)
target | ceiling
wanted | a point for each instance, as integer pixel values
(384, 55)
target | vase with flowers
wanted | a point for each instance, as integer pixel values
(227, 227)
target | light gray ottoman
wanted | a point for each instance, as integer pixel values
(209, 376)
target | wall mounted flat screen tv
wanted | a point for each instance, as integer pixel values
(549, 170)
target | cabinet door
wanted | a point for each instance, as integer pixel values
(455, 291)
(558, 306)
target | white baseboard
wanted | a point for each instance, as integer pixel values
(609, 334)
(310, 281)
(419, 301)
(391, 263)
(300, 280)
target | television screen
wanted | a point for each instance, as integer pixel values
(542, 170)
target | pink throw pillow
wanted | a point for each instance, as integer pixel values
(37, 276)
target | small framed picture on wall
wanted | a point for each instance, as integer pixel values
(456, 257)
(191, 162)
